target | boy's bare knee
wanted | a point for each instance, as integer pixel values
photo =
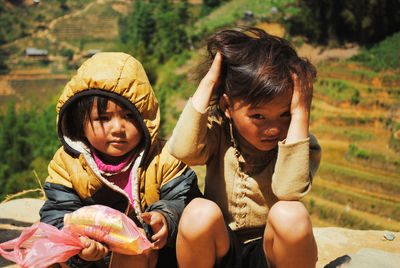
(290, 219)
(200, 215)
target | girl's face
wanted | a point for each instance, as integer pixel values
(113, 133)
(264, 125)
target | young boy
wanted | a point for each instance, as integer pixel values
(259, 155)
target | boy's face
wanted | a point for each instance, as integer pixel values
(264, 125)
(113, 133)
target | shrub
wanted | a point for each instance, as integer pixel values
(383, 56)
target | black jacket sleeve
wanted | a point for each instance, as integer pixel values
(174, 196)
(60, 200)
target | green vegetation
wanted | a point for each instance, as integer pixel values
(344, 133)
(340, 215)
(155, 28)
(38, 91)
(373, 159)
(382, 56)
(368, 181)
(18, 20)
(338, 90)
(27, 140)
(341, 21)
(358, 201)
(394, 141)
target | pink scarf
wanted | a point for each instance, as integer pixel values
(119, 174)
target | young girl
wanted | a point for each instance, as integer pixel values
(260, 157)
(108, 121)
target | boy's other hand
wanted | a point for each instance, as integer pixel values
(159, 226)
(201, 98)
(93, 250)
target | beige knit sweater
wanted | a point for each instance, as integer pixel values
(244, 184)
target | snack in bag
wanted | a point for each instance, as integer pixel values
(42, 244)
(109, 226)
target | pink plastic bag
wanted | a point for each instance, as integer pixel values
(42, 245)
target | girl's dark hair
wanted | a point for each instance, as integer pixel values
(257, 66)
(78, 115)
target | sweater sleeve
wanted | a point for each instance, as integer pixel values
(295, 167)
(192, 141)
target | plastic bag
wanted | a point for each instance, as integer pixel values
(110, 226)
(41, 245)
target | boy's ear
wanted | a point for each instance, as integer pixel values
(225, 105)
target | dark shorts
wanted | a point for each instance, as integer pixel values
(250, 255)
(167, 258)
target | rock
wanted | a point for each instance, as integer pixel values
(15, 215)
(364, 249)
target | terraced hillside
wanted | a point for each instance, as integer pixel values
(354, 113)
(93, 26)
(358, 184)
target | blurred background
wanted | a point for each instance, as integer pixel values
(355, 45)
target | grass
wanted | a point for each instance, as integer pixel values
(343, 132)
(337, 90)
(230, 12)
(38, 91)
(369, 181)
(343, 215)
(382, 56)
(358, 74)
(357, 200)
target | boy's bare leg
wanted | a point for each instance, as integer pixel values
(202, 237)
(288, 237)
(146, 260)
(57, 265)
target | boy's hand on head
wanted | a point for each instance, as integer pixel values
(202, 96)
(159, 226)
(300, 110)
(301, 98)
(93, 250)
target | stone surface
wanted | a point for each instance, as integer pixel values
(364, 247)
(15, 215)
(367, 249)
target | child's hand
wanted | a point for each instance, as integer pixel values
(159, 226)
(302, 96)
(300, 110)
(202, 96)
(93, 250)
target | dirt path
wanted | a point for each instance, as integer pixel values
(314, 54)
(318, 54)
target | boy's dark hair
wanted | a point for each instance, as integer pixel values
(79, 114)
(257, 66)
